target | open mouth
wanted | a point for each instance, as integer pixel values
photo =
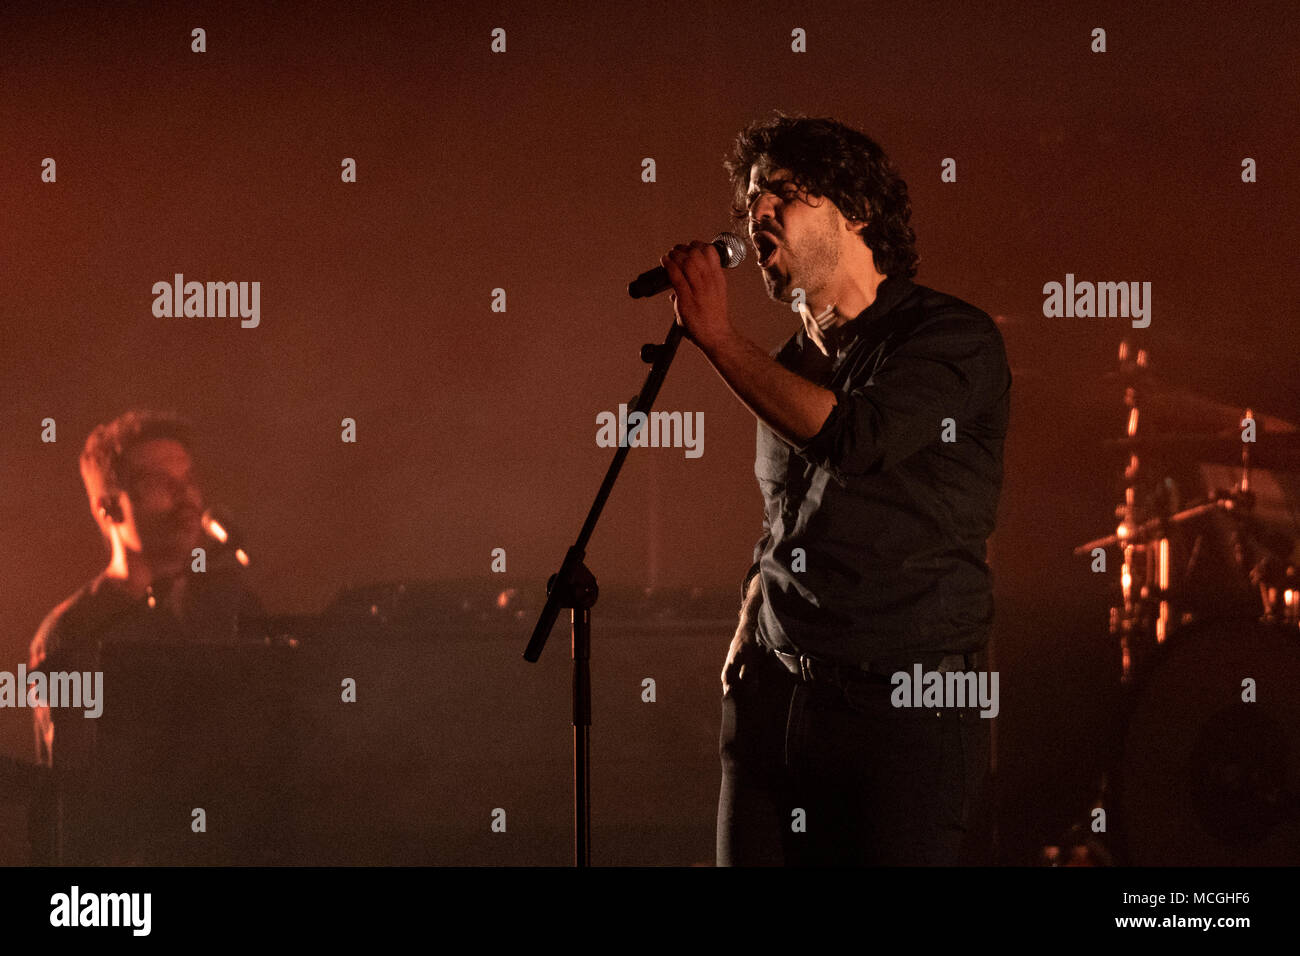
(766, 247)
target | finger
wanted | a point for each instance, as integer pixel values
(679, 254)
(675, 275)
(694, 265)
(710, 252)
(680, 259)
(703, 267)
(677, 310)
(729, 671)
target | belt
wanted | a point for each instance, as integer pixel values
(816, 671)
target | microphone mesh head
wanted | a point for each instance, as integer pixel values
(735, 247)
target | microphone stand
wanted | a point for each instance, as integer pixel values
(575, 587)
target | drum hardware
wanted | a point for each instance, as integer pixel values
(1152, 592)
(1201, 776)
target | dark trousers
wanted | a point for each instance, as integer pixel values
(877, 785)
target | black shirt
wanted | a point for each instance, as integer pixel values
(207, 608)
(70, 825)
(892, 519)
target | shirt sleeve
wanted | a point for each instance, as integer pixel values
(953, 366)
(38, 656)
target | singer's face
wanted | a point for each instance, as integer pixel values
(163, 505)
(807, 230)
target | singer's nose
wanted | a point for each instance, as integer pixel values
(759, 223)
(762, 209)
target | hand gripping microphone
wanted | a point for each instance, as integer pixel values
(731, 250)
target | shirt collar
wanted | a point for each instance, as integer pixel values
(891, 291)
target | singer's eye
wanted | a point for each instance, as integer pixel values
(784, 191)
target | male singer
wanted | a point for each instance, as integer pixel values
(880, 431)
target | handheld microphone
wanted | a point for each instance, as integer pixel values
(731, 250)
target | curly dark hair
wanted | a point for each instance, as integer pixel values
(103, 457)
(833, 160)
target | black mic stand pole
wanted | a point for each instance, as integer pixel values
(574, 587)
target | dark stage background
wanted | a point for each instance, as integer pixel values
(476, 429)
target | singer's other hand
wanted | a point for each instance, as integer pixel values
(699, 293)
